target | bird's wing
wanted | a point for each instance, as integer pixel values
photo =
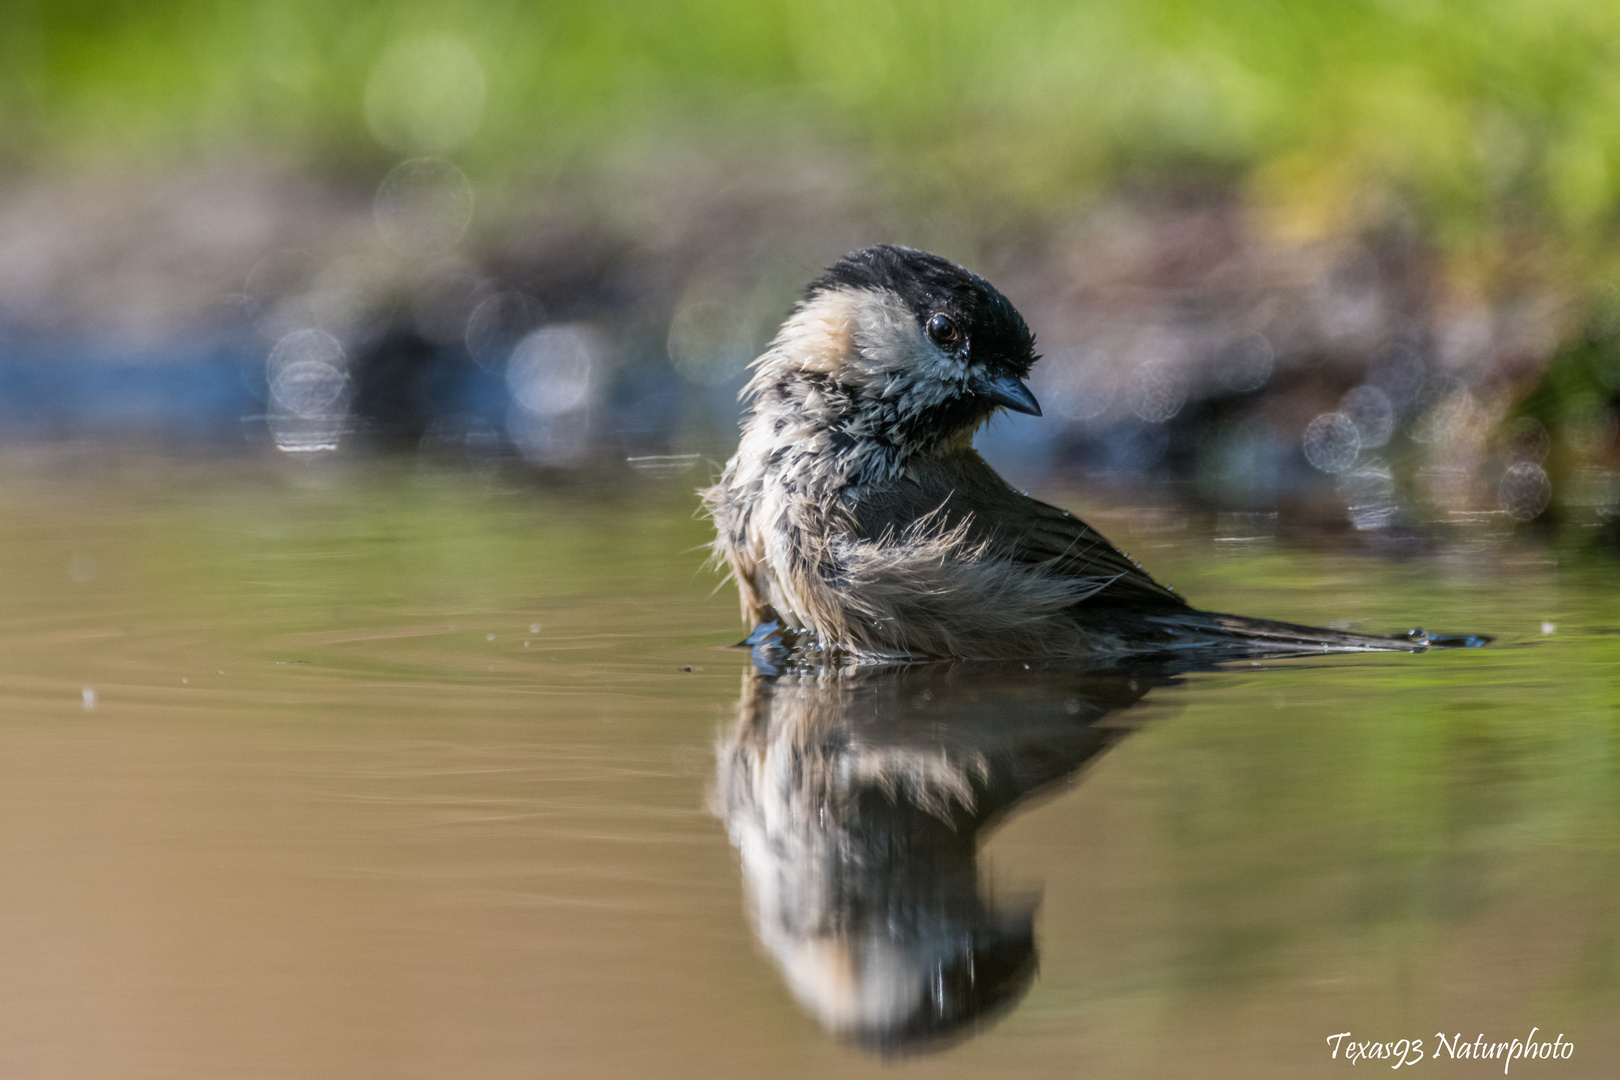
(961, 490)
(1040, 534)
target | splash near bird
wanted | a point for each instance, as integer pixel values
(861, 525)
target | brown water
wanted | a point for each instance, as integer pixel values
(327, 769)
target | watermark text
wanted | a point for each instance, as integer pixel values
(1411, 1051)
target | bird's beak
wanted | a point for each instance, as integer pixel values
(1006, 390)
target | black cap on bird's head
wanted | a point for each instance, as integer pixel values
(961, 315)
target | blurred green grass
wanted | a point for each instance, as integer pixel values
(1491, 120)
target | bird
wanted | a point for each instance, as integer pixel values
(861, 525)
(859, 830)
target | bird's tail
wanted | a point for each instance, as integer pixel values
(1211, 632)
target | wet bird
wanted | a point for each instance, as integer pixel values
(860, 829)
(859, 522)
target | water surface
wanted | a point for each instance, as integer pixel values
(376, 769)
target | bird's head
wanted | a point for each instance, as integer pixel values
(898, 345)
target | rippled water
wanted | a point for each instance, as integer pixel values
(347, 769)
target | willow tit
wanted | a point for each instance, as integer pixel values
(858, 520)
(859, 830)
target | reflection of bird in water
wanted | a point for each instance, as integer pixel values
(856, 802)
(857, 518)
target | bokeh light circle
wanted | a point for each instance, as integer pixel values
(1156, 392)
(1332, 443)
(423, 206)
(1525, 491)
(550, 370)
(1370, 409)
(425, 95)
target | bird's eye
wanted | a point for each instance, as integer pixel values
(942, 331)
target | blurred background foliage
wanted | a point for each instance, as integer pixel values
(1492, 120)
(1323, 185)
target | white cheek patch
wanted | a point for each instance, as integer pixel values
(892, 352)
(819, 336)
(866, 342)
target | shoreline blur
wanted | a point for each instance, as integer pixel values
(1271, 254)
(1182, 341)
